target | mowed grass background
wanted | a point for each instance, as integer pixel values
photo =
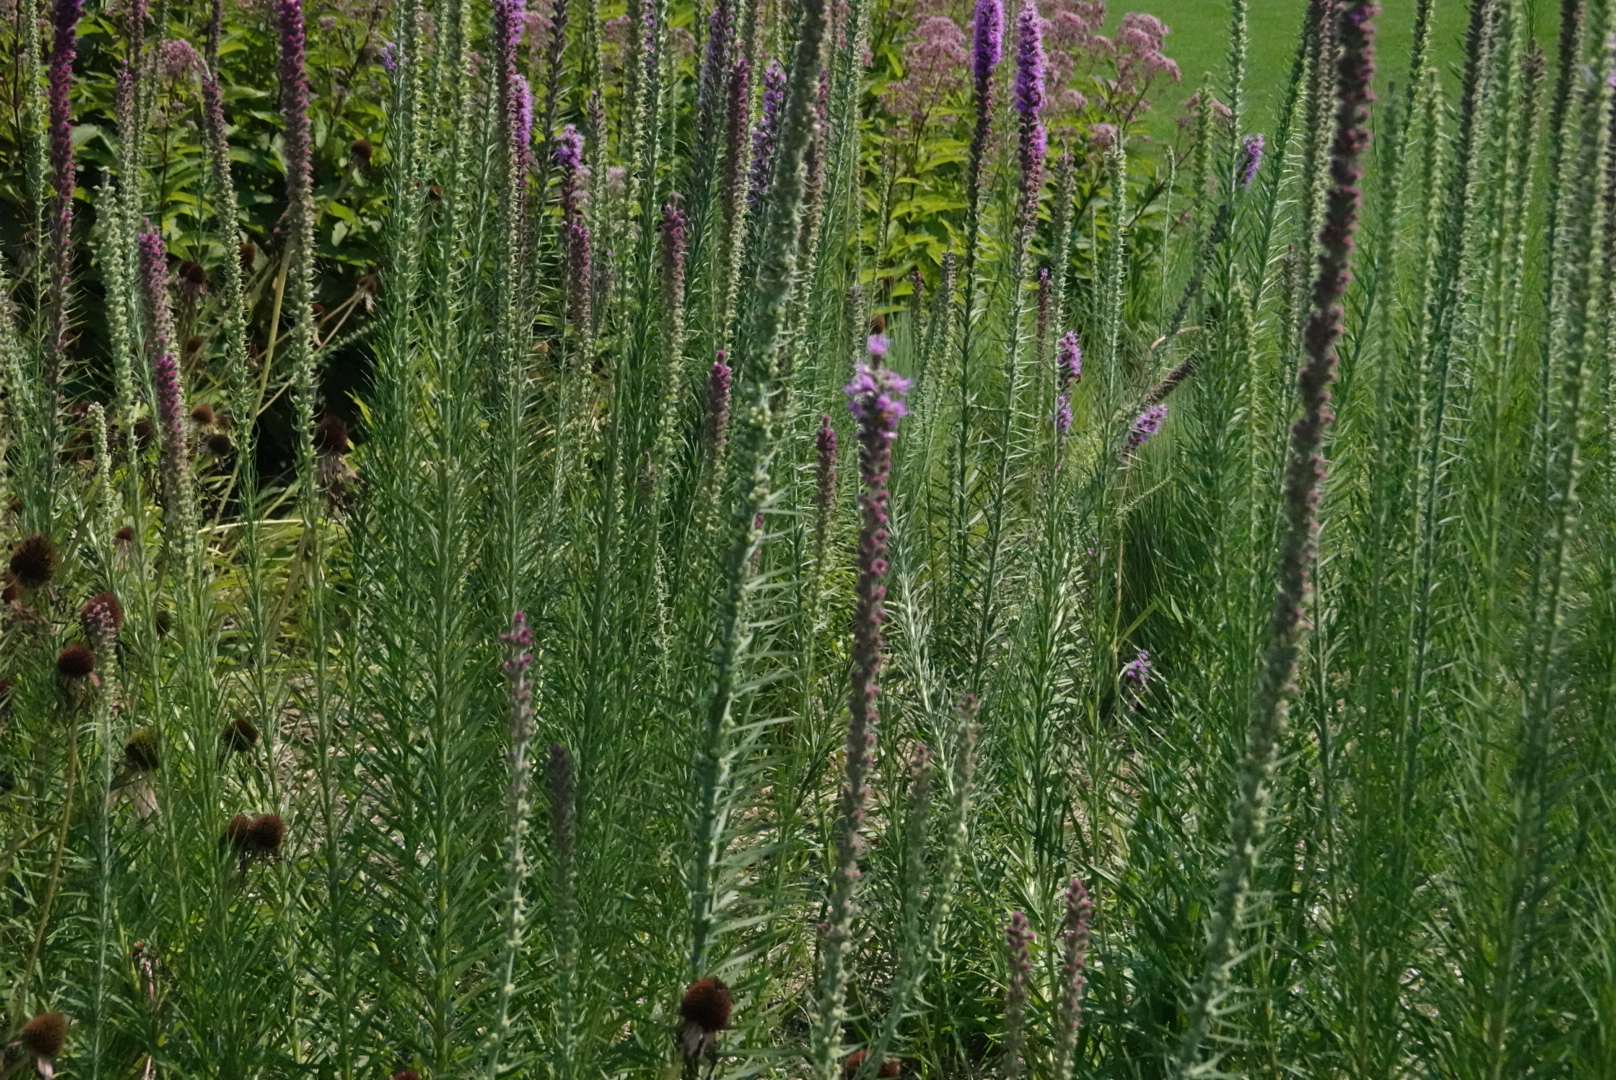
(1200, 43)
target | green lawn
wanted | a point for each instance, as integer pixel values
(1200, 37)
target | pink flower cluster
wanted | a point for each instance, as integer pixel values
(934, 64)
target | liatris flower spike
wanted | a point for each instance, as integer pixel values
(719, 381)
(1062, 418)
(987, 47)
(1029, 97)
(1137, 670)
(1069, 1004)
(1251, 155)
(763, 135)
(1018, 936)
(1146, 425)
(1068, 361)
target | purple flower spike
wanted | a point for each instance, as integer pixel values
(1145, 425)
(988, 45)
(1137, 670)
(1029, 88)
(766, 131)
(1068, 361)
(569, 149)
(295, 102)
(825, 448)
(1251, 155)
(1028, 100)
(719, 381)
(878, 344)
(1074, 967)
(64, 47)
(875, 397)
(1063, 414)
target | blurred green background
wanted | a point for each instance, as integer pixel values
(1200, 35)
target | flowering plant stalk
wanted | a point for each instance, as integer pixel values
(1304, 473)
(876, 398)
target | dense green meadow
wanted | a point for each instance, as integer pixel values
(817, 539)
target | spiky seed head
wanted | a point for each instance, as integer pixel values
(237, 832)
(142, 751)
(266, 833)
(125, 535)
(33, 561)
(45, 1035)
(202, 413)
(331, 435)
(75, 662)
(707, 1005)
(218, 445)
(103, 607)
(239, 736)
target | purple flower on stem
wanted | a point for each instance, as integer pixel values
(1018, 938)
(569, 150)
(1063, 413)
(170, 397)
(1068, 361)
(295, 107)
(518, 658)
(714, 60)
(875, 397)
(719, 383)
(878, 344)
(524, 107)
(673, 230)
(1251, 155)
(739, 102)
(64, 48)
(765, 131)
(825, 474)
(1137, 670)
(1145, 425)
(1042, 337)
(1069, 1004)
(987, 46)
(1028, 99)
(580, 272)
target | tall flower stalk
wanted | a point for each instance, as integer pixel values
(875, 397)
(173, 440)
(1018, 939)
(1074, 966)
(238, 377)
(298, 142)
(519, 688)
(1032, 145)
(64, 178)
(1304, 473)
